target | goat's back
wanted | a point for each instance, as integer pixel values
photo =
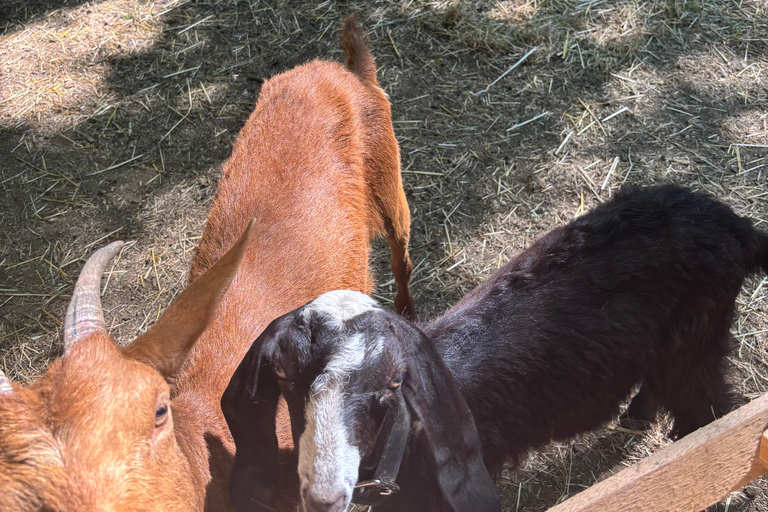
(304, 144)
(550, 345)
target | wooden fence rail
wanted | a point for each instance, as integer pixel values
(690, 474)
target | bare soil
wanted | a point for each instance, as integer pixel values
(115, 116)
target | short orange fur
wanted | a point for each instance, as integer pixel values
(317, 168)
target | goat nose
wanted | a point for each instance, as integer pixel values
(325, 502)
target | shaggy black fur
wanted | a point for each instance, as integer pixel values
(641, 288)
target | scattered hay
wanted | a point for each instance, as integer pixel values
(115, 114)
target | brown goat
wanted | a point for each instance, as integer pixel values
(140, 427)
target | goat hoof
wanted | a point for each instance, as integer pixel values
(407, 310)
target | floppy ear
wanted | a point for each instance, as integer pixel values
(166, 344)
(446, 421)
(296, 411)
(249, 405)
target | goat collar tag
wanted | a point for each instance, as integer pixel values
(376, 490)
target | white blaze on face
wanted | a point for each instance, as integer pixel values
(328, 463)
(340, 306)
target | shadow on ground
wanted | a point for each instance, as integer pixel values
(115, 116)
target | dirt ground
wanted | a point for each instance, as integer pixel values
(115, 116)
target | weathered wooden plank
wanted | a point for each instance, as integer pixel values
(688, 475)
(764, 449)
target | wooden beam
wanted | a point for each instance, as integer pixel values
(764, 449)
(690, 474)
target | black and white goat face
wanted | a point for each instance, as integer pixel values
(341, 362)
(349, 395)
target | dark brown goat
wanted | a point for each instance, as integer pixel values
(140, 428)
(641, 289)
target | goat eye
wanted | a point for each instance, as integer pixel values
(396, 381)
(161, 415)
(279, 371)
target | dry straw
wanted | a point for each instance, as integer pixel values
(115, 115)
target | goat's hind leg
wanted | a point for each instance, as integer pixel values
(393, 208)
(397, 227)
(694, 389)
(707, 398)
(642, 409)
(386, 185)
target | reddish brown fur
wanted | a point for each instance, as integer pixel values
(317, 167)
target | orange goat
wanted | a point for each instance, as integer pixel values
(140, 428)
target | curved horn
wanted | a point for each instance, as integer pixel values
(5, 384)
(84, 314)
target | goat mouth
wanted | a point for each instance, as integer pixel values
(337, 503)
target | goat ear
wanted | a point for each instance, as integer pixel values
(249, 405)
(166, 344)
(446, 421)
(296, 408)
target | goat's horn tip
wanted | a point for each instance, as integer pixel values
(115, 246)
(108, 252)
(5, 384)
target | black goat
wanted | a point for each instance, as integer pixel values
(641, 289)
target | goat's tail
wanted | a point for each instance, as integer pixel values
(355, 45)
